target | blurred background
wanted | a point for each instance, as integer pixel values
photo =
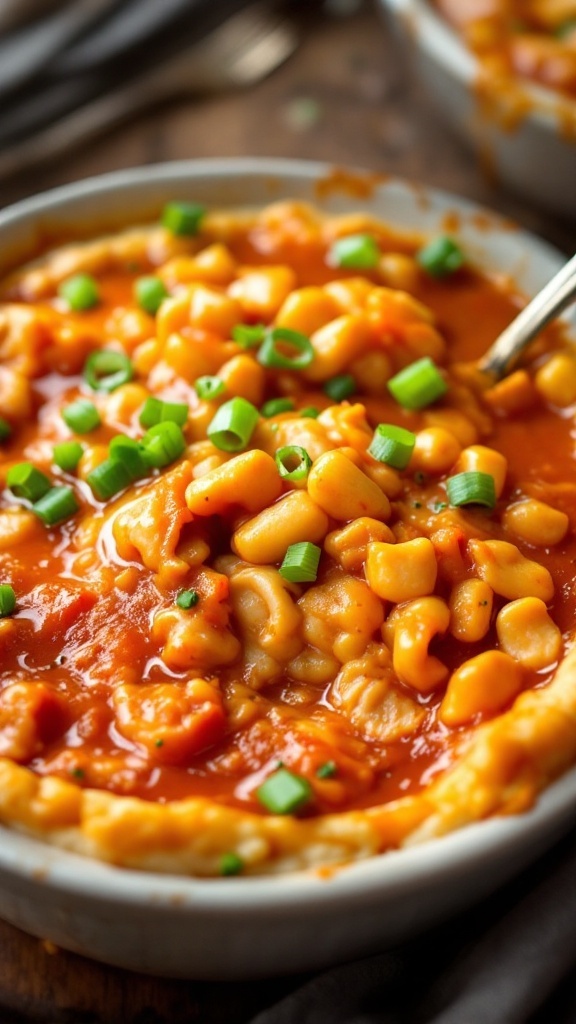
(89, 86)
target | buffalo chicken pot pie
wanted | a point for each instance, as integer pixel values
(283, 581)
(530, 41)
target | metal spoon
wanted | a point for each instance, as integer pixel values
(555, 297)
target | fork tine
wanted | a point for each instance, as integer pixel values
(251, 44)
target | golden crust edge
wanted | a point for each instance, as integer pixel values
(503, 767)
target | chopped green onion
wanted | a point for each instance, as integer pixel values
(565, 28)
(392, 445)
(233, 424)
(81, 416)
(183, 218)
(355, 252)
(26, 481)
(7, 600)
(283, 792)
(327, 770)
(472, 488)
(5, 429)
(231, 864)
(106, 370)
(273, 355)
(151, 412)
(300, 564)
(187, 598)
(57, 504)
(340, 387)
(209, 387)
(441, 257)
(108, 479)
(163, 444)
(67, 455)
(131, 454)
(150, 293)
(275, 406)
(248, 335)
(310, 412)
(293, 463)
(174, 412)
(80, 292)
(418, 385)
(156, 411)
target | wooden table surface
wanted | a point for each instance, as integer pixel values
(347, 97)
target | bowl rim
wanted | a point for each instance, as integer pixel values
(480, 217)
(443, 44)
(31, 858)
(396, 871)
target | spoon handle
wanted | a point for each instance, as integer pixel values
(549, 303)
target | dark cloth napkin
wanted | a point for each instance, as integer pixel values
(510, 961)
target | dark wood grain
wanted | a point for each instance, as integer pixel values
(43, 985)
(346, 97)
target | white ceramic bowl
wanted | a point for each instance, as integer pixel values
(237, 928)
(536, 156)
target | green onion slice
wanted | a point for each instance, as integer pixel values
(284, 792)
(7, 600)
(300, 564)
(340, 387)
(67, 455)
(248, 335)
(150, 293)
(26, 481)
(231, 864)
(275, 406)
(293, 463)
(209, 387)
(108, 479)
(131, 454)
(81, 416)
(472, 488)
(392, 445)
(187, 599)
(283, 349)
(327, 770)
(106, 370)
(565, 28)
(418, 385)
(57, 504)
(355, 252)
(310, 412)
(5, 429)
(80, 292)
(233, 424)
(163, 444)
(156, 411)
(441, 257)
(183, 218)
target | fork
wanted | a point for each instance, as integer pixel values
(240, 52)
